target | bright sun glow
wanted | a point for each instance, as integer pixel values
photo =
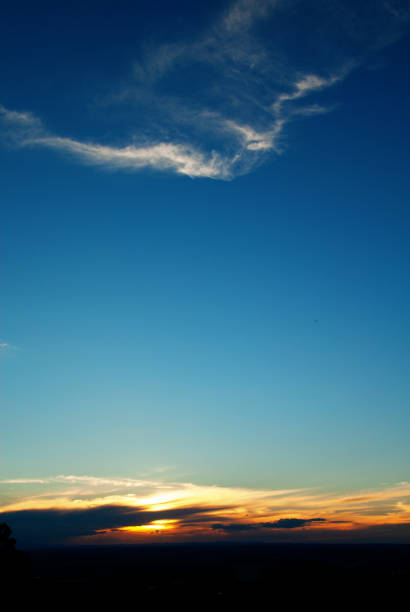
(160, 525)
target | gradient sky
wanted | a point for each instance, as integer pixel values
(206, 259)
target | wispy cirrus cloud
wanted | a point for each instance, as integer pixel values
(26, 130)
(218, 103)
(242, 14)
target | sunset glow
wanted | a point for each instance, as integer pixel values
(97, 510)
(160, 525)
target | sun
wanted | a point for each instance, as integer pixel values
(154, 526)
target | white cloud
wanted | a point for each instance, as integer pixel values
(303, 87)
(162, 156)
(244, 92)
(180, 158)
(253, 141)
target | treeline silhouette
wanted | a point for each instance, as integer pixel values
(14, 564)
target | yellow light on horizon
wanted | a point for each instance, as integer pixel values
(159, 525)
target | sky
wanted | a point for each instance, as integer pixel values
(205, 271)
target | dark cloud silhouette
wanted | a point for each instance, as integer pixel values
(283, 523)
(233, 527)
(292, 523)
(285, 530)
(54, 526)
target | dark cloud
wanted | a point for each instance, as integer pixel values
(233, 527)
(279, 531)
(283, 523)
(292, 523)
(55, 526)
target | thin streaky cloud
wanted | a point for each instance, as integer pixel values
(182, 159)
(162, 156)
(387, 504)
(304, 86)
(24, 481)
(245, 91)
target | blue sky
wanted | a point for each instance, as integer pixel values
(205, 253)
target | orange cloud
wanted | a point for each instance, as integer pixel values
(80, 508)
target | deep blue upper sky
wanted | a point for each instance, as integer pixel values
(242, 314)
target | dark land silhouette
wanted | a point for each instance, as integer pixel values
(282, 574)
